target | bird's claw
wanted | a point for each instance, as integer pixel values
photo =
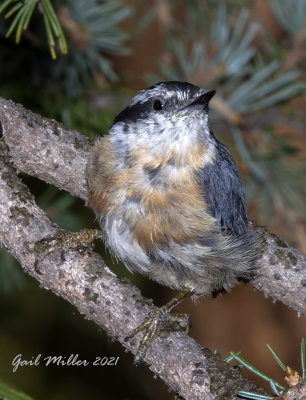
(160, 320)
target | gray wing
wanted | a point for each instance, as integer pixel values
(223, 191)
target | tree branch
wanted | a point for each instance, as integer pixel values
(46, 149)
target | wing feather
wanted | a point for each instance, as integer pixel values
(223, 191)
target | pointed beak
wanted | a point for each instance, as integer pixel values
(201, 102)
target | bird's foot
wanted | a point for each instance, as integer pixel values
(65, 241)
(159, 321)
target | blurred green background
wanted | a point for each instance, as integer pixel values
(79, 61)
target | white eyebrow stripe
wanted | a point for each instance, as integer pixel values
(164, 92)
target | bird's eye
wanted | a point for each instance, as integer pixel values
(157, 105)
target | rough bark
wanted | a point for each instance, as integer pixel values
(45, 149)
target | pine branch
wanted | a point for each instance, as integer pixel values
(57, 155)
(23, 11)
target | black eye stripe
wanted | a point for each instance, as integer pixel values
(139, 110)
(134, 112)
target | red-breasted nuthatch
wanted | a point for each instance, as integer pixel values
(168, 195)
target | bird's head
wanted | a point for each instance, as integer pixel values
(169, 118)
